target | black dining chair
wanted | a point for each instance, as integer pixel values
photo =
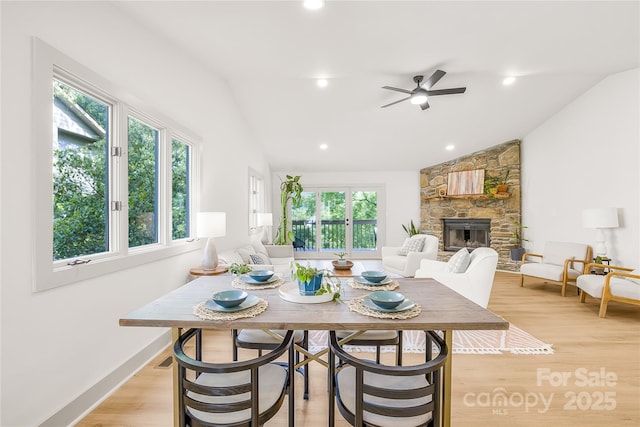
(376, 339)
(257, 339)
(246, 393)
(372, 394)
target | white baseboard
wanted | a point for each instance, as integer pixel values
(87, 401)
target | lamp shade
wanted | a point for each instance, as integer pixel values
(211, 224)
(264, 219)
(600, 218)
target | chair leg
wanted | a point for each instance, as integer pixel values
(305, 343)
(521, 280)
(583, 296)
(603, 307)
(564, 287)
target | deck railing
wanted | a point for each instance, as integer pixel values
(334, 235)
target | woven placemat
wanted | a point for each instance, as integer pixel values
(388, 287)
(241, 284)
(204, 313)
(357, 306)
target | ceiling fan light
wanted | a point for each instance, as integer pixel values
(313, 4)
(420, 97)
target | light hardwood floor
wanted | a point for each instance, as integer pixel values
(592, 379)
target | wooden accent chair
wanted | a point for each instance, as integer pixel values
(246, 393)
(257, 339)
(620, 284)
(371, 394)
(560, 263)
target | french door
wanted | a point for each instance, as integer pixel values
(341, 219)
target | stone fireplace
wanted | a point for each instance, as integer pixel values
(465, 233)
(473, 220)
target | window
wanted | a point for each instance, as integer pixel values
(114, 183)
(256, 198)
(180, 155)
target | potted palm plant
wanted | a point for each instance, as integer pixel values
(290, 190)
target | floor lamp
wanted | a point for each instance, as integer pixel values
(599, 219)
(210, 225)
(265, 220)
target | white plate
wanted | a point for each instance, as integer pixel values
(289, 292)
(405, 305)
(364, 281)
(248, 303)
(251, 281)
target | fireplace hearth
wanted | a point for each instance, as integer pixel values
(466, 233)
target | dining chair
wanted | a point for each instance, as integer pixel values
(376, 339)
(372, 394)
(257, 339)
(246, 393)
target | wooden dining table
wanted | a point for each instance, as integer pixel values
(441, 310)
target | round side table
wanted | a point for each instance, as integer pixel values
(199, 271)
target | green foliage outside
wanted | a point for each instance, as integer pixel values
(364, 208)
(80, 186)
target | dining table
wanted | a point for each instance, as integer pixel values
(440, 309)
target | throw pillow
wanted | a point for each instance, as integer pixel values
(245, 251)
(259, 259)
(459, 262)
(412, 244)
(258, 246)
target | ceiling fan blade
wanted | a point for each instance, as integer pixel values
(397, 89)
(446, 91)
(395, 102)
(433, 79)
(425, 105)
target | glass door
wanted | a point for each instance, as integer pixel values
(330, 220)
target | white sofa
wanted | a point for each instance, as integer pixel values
(474, 283)
(278, 257)
(406, 265)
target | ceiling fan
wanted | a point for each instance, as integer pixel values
(419, 95)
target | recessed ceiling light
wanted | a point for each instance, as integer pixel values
(322, 82)
(450, 147)
(508, 80)
(313, 4)
(323, 146)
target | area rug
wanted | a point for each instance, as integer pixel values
(514, 340)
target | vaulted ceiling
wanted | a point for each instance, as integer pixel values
(272, 52)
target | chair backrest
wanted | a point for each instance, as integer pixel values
(228, 393)
(376, 394)
(430, 243)
(557, 252)
(482, 269)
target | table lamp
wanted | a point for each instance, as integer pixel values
(265, 220)
(600, 218)
(210, 225)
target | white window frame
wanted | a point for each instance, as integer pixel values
(48, 63)
(256, 198)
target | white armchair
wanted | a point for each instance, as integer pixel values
(474, 283)
(620, 284)
(560, 263)
(406, 265)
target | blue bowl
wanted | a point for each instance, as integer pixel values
(230, 298)
(386, 299)
(261, 275)
(374, 276)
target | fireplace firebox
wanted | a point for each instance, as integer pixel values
(466, 233)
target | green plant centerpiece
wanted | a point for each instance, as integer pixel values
(310, 281)
(517, 238)
(290, 190)
(239, 269)
(410, 229)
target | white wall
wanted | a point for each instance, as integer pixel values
(586, 156)
(402, 193)
(59, 343)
